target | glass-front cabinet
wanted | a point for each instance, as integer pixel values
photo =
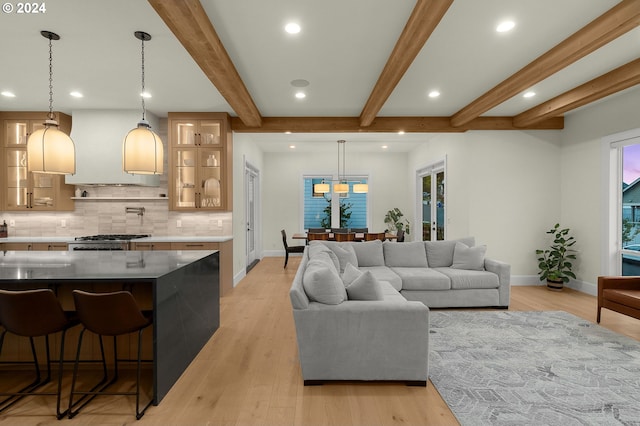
(200, 162)
(22, 190)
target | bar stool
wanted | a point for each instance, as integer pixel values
(108, 314)
(35, 313)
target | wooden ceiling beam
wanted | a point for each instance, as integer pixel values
(385, 125)
(620, 19)
(425, 17)
(621, 78)
(190, 24)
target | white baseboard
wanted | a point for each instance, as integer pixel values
(582, 286)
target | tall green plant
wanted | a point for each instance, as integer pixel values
(555, 263)
(394, 219)
(345, 214)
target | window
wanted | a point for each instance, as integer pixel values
(319, 208)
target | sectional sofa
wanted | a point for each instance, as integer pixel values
(361, 309)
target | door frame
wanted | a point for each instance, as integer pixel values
(430, 169)
(250, 169)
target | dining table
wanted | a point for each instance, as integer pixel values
(358, 237)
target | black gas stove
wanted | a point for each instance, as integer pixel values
(104, 242)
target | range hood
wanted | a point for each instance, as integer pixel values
(98, 136)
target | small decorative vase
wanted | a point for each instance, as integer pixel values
(555, 285)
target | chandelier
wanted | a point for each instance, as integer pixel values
(50, 150)
(341, 185)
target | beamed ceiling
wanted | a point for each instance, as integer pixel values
(370, 64)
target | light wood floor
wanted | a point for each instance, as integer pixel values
(248, 373)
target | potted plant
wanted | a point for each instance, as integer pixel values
(555, 263)
(395, 222)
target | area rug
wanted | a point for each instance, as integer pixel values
(533, 368)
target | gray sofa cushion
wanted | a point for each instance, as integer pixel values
(369, 253)
(317, 249)
(440, 253)
(365, 287)
(466, 279)
(411, 254)
(344, 252)
(350, 274)
(382, 273)
(422, 279)
(322, 283)
(465, 257)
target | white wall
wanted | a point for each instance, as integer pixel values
(501, 188)
(282, 189)
(581, 198)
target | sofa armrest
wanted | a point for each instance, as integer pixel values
(503, 271)
(363, 340)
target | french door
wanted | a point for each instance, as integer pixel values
(251, 211)
(431, 201)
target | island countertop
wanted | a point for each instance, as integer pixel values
(154, 239)
(93, 265)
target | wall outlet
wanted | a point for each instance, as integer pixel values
(63, 223)
(178, 223)
(12, 222)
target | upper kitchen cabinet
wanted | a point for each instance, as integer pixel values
(21, 190)
(200, 162)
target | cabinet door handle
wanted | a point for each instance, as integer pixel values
(194, 245)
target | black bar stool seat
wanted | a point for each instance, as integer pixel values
(108, 314)
(35, 313)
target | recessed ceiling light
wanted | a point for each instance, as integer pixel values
(292, 146)
(401, 132)
(145, 94)
(76, 94)
(529, 94)
(299, 83)
(384, 147)
(300, 95)
(287, 132)
(292, 28)
(505, 26)
(8, 94)
(434, 94)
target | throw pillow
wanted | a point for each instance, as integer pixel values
(345, 254)
(440, 253)
(369, 253)
(320, 251)
(465, 257)
(350, 274)
(365, 287)
(407, 255)
(323, 284)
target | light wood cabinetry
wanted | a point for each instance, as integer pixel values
(23, 191)
(34, 246)
(151, 246)
(200, 162)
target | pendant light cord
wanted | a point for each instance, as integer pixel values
(142, 93)
(51, 116)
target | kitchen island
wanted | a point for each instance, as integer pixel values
(184, 290)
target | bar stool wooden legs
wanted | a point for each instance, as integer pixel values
(34, 313)
(107, 314)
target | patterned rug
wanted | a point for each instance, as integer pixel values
(533, 368)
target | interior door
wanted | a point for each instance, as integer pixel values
(251, 191)
(431, 199)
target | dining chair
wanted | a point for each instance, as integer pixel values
(35, 313)
(289, 249)
(108, 314)
(344, 237)
(359, 230)
(317, 230)
(372, 236)
(339, 230)
(322, 236)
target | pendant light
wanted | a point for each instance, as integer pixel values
(142, 151)
(342, 184)
(50, 150)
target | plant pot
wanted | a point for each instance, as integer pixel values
(555, 285)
